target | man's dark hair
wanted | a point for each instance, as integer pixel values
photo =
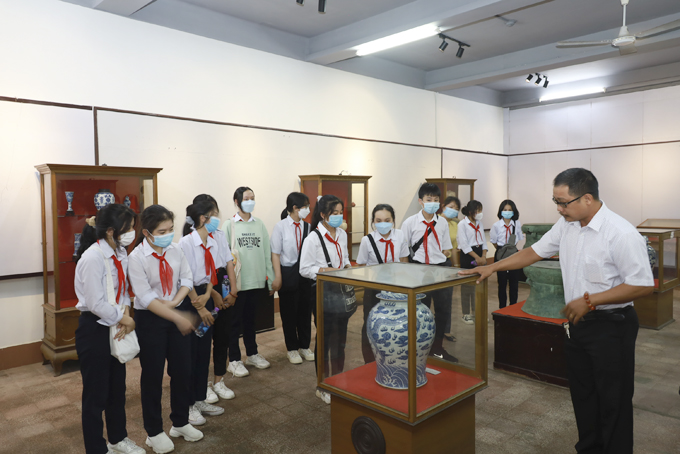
(579, 181)
(430, 189)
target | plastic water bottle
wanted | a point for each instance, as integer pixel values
(203, 328)
(473, 263)
(226, 288)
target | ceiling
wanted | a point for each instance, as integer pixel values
(492, 70)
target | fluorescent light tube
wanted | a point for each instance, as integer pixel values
(397, 39)
(571, 94)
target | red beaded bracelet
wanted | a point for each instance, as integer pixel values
(586, 296)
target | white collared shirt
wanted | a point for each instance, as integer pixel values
(312, 257)
(499, 233)
(284, 242)
(367, 256)
(607, 252)
(237, 217)
(414, 229)
(195, 255)
(468, 237)
(144, 273)
(90, 283)
(224, 251)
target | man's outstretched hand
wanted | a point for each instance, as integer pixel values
(483, 271)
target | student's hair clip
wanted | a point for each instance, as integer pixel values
(318, 198)
(91, 221)
(190, 221)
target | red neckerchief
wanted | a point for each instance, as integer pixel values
(390, 245)
(165, 272)
(477, 232)
(298, 235)
(428, 226)
(210, 266)
(507, 231)
(337, 247)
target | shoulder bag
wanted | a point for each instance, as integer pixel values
(338, 298)
(290, 275)
(237, 257)
(509, 248)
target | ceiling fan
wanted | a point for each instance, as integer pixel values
(625, 42)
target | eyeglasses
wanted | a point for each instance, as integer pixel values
(564, 204)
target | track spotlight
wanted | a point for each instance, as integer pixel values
(538, 80)
(300, 2)
(529, 77)
(322, 6)
(444, 44)
(545, 85)
(508, 22)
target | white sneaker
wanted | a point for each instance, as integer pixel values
(221, 390)
(188, 432)
(294, 357)
(306, 354)
(258, 361)
(210, 395)
(207, 409)
(323, 395)
(468, 320)
(195, 417)
(126, 446)
(237, 369)
(160, 443)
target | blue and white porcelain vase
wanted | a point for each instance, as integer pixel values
(76, 244)
(387, 330)
(126, 201)
(69, 200)
(651, 253)
(102, 198)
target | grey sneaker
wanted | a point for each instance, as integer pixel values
(195, 417)
(208, 409)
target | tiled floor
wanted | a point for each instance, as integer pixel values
(275, 410)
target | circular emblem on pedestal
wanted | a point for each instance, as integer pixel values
(367, 436)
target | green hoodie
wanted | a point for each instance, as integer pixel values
(252, 244)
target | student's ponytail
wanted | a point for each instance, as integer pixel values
(194, 213)
(294, 199)
(472, 208)
(115, 216)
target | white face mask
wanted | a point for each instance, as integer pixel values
(126, 239)
(479, 216)
(304, 212)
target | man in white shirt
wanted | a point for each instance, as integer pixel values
(604, 268)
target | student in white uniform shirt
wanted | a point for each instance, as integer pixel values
(329, 240)
(294, 298)
(104, 240)
(605, 268)
(472, 243)
(429, 239)
(161, 278)
(371, 252)
(224, 297)
(501, 231)
(200, 250)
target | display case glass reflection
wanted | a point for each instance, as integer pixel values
(365, 355)
(664, 253)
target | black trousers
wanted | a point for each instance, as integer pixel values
(370, 300)
(103, 385)
(467, 292)
(159, 339)
(221, 332)
(200, 351)
(504, 277)
(441, 300)
(243, 321)
(296, 316)
(601, 365)
(334, 339)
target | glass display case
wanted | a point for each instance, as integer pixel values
(353, 191)
(69, 195)
(456, 187)
(412, 305)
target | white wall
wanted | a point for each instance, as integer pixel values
(638, 181)
(61, 52)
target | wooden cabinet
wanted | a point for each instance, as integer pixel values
(67, 199)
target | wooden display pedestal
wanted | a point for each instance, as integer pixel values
(449, 431)
(59, 343)
(529, 346)
(656, 310)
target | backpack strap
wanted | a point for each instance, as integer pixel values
(325, 251)
(305, 232)
(375, 248)
(416, 246)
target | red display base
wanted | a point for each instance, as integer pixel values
(361, 382)
(515, 310)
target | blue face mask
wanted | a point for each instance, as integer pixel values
(431, 207)
(248, 206)
(450, 213)
(213, 224)
(383, 227)
(335, 220)
(507, 214)
(163, 240)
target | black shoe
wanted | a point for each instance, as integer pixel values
(450, 337)
(443, 354)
